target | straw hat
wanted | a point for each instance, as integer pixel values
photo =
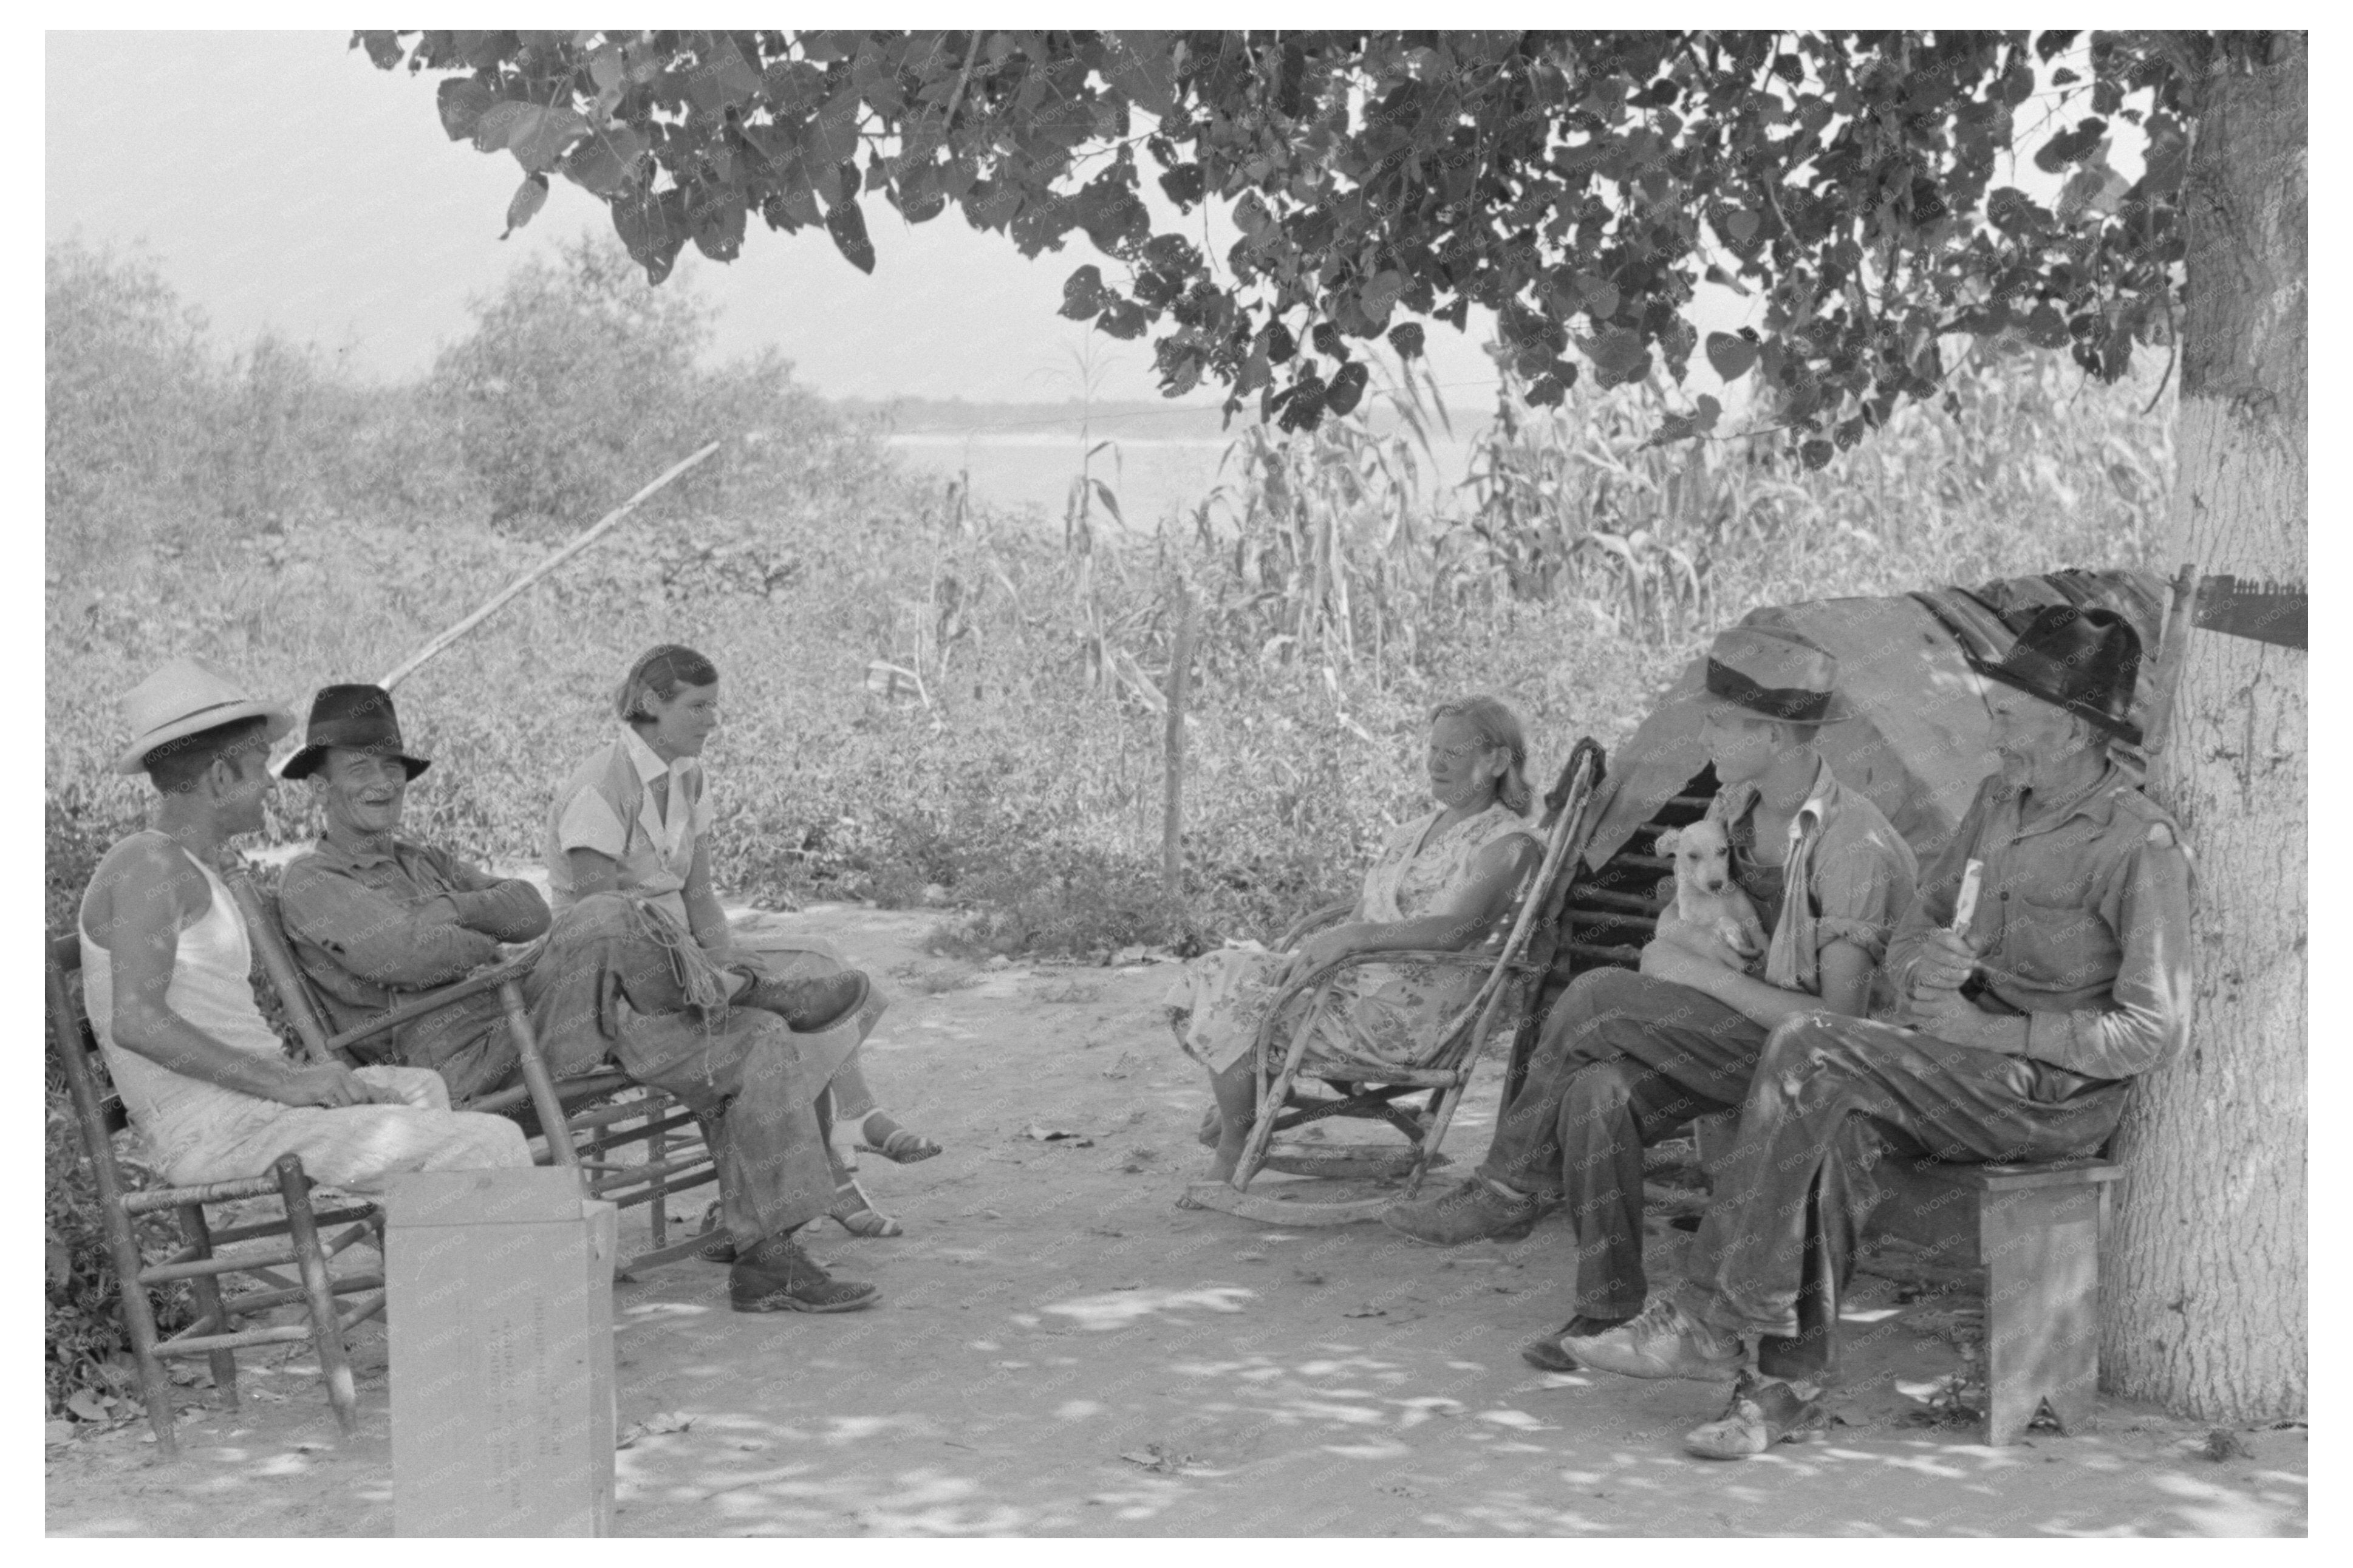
(187, 698)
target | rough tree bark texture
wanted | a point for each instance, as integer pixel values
(2205, 1306)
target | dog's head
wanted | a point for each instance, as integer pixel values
(1703, 856)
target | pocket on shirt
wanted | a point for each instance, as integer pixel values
(2062, 947)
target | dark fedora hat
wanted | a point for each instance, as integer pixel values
(1774, 675)
(2085, 660)
(358, 717)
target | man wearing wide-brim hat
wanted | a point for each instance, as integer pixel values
(374, 918)
(1628, 1058)
(166, 964)
(2012, 1033)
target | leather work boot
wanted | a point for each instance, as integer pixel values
(1546, 1353)
(1763, 1411)
(809, 1005)
(1473, 1210)
(778, 1277)
(1664, 1341)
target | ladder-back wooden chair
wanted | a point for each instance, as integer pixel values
(331, 1303)
(1608, 914)
(585, 1122)
(1370, 1088)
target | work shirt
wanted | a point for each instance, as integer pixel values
(608, 804)
(359, 930)
(1848, 877)
(2081, 922)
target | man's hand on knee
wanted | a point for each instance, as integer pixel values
(333, 1086)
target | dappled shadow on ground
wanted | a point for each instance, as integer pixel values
(1058, 1349)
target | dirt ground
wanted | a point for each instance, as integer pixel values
(1061, 1351)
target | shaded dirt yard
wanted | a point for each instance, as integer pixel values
(1059, 1350)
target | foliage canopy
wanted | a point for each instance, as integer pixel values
(1581, 185)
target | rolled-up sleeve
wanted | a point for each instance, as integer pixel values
(589, 822)
(507, 908)
(1864, 885)
(2148, 1018)
(374, 935)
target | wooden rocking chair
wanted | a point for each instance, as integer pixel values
(581, 1122)
(1369, 1087)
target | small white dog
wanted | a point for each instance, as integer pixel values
(1706, 894)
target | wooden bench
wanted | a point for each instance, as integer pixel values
(2030, 1235)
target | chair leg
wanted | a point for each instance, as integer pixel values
(657, 1150)
(335, 1366)
(139, 1320)
(208, 1291)
(1426, 1146)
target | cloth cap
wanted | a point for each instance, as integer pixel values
(187, 698)
(2085, 660)
(357, 718)
(1774, 676)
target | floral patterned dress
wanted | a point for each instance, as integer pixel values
(1387, 1011)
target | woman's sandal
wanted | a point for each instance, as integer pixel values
(855, 1213)
(904, 1147)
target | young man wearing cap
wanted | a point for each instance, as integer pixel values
(2016, 1036)
(166, 962)
(1626, 1058)
(374, 918)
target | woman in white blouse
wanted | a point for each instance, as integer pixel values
(635, 819)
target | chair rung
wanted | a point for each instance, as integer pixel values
(624, 1111)
(202, 1267)
(253, 1301)
(646, 1193)
(363, 1307)
(682, 1125)
(244, 1339)
(628, 1176)
(277, 1227)
(155, 1199)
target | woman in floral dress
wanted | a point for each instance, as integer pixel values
(1442, 881)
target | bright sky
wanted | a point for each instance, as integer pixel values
(280, 180)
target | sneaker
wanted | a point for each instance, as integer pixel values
(1546, 1353)
(778, 1277)
(1664, 1341)
(1473, 1210)
(809, 1005)
(1763, 1411)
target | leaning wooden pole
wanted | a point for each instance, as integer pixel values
(596, 531)
(1180, 682)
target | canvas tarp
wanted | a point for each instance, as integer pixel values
(1919, 741)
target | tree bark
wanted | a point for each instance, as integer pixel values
(2205, 1307)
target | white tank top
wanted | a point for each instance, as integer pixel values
(211, 990)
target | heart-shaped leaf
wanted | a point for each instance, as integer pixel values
(1732, 355)
(461, 101)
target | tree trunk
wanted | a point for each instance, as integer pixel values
(2205, 1307)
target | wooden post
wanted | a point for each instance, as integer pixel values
(1180, 680)
(2166, 669)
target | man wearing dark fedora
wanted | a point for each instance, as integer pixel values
(2012, 1033)
(166, 960)
(1626, 1058)
(374, 918)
